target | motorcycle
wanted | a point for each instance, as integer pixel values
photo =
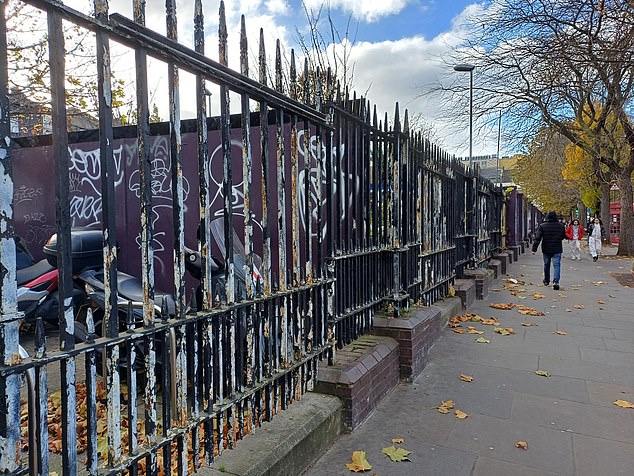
(37, 292)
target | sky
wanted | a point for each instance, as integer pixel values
(399, 48)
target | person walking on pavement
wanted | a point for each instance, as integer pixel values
(574, 233)
(551, 234)
(596, 234)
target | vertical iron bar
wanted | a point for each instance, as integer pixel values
(9, 318)
(281, 212)
(247, 179)
(63, 222)
(147, 251)
(266, 180)
(203, 164)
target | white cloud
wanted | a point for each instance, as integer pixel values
(365, 10)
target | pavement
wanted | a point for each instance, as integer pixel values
(568, 419)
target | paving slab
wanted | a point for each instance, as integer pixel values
(494, 467)
(549, 449)
(598, 456)
(604, 394)
(587, 370)
(625, 359)
(582, 418)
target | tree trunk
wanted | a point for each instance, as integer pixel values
(605, 210)
(626, 237)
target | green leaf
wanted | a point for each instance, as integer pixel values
(482, 340)
(542, 373)
(396, 454)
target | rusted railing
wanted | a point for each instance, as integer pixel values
(326, 211)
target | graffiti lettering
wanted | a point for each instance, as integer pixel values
(23, 193)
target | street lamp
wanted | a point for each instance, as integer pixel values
(464, 68)
(208, 94)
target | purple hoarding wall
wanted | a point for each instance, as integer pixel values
(34, 197)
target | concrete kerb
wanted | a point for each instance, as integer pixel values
(288, 444)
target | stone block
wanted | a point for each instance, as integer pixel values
(496, 267)
(483, 279)
(364, 372)
(466, 291)
(416, 332)
(503, 258)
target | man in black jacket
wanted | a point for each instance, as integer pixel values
(551, 234)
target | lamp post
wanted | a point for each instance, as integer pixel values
(464, 68)
(208, 94)
(498, 156)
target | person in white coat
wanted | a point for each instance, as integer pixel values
(596, 234)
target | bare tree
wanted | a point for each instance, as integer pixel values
(566, 64)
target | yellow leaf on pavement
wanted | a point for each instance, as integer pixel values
(490, 322)
(445, 407)
(538, 295)
(396, 454)
(529, 324)
(505, 331)
(359, 462)
(579, 306)
(466, 378)
(502, 306)
(458, 331)
(482, 340)
(624, 404)
(600, 302)
(397, 441)
(568, 310)
(560, 333)
(542, 373)
(460, 414)
(521, 444)
(473, 330)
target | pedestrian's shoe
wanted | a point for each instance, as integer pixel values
(556, 287)
(546, 283)
(594, 258)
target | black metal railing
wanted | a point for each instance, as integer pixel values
(319, 213)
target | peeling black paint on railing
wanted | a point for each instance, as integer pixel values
(357, 217)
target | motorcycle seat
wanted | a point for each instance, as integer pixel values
(131, 288)
(32, 272)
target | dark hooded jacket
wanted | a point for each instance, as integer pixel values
(550, 233)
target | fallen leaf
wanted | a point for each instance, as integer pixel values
(460, 414)
(445, 407)
(579, 306)
(458, 331)
(527, 311)
(359, 462)
(538, 295)
(502, 306)
(611, 295)
(600, 302)
(624, 404)
(529, 324)
(561, 295)
(396, 454)
(397, 441)
(521, 444)
(482, 340)
(598, 283)
(490, 322)
(473, 330)
(452, 291)
(568, 309)
(466, 378)
(560, 333)
(542, 373)
(505, 331)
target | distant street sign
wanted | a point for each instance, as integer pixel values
(614, 187)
